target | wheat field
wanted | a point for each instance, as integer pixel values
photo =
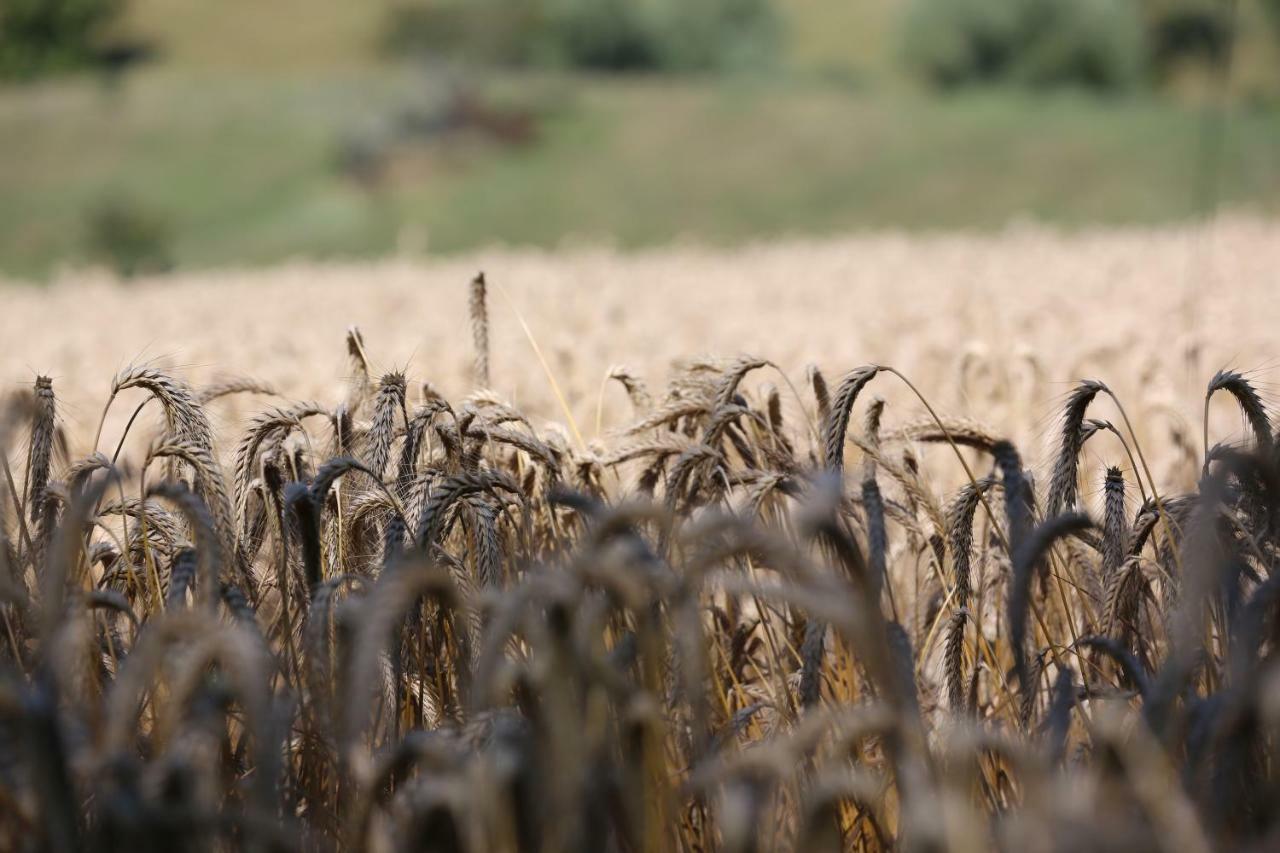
(949, 542)
(1153, 311)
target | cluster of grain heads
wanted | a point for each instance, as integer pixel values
(749, 620)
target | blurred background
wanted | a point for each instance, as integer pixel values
(146, 135)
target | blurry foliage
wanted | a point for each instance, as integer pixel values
(613, 35)
(1097, 44)
(42, 36)
(467, 114)
(132, 238)
(1193, 42)
(1186, 31)
(1102, 45)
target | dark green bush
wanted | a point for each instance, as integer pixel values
(130, 237)
(1097, 44)
(613, 35)
(42, 36)
(1187, 31)
(711, 34)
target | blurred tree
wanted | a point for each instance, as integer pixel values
(130, 237)
(613, 35)
(42, 36)
(711, 35)
(1186, 31)
(1098, 44)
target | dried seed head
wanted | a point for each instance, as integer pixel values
(40, 456)
(480, 329)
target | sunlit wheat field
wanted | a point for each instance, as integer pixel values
(991, 326)
(929, 542)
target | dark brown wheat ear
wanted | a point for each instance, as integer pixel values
(953, 660)
(389, 402)
(821, 395)
(185, 417)
(40, 453)
(357, 370)
(1115, 535)
(480, 329)
(1255, 411)
(1063, 483)
(837, 422)
(959, 525)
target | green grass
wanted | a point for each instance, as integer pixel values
(244, 163)
(235, 139)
